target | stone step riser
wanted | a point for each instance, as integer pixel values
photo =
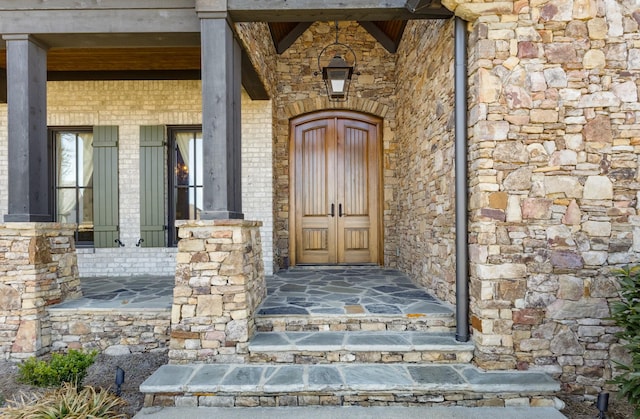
(439, 324)
(363, 398)
(382, 357)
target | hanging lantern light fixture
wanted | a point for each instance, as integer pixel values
(337, 74)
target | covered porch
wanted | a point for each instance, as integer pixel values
(132, 313)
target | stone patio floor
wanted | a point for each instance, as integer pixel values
(296, 291)
(348, 290)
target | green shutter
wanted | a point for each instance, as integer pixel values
(105, 186)
(152, 191)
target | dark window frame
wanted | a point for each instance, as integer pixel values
(172, 130)
(52, 132)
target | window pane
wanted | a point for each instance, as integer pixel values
(188, 175)
(198, 168)
(198, 202)
(85, 158)
(85, 226)
(182, 203)
(86, 208)
(74, 181)
(66, 211)
(66, 168)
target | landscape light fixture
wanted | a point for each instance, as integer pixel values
(337, 74)
(602, 404)
(119, 380)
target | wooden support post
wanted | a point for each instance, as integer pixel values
(221, 81)
(27, 128)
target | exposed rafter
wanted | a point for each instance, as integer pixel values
(251, 80)
(387, 33)
(285, 34)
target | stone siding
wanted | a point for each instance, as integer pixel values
(37, 269)
(220, 283)
(128, 105)
(363, 398)
(137, 330)
(425, 221)
(553, 175)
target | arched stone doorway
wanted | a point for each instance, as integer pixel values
(335, 185)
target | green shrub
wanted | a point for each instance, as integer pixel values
(67, 402)
(62, 368)
(626, 314)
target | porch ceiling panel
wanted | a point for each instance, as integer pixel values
(171, 63)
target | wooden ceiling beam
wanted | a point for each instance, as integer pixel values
(328, 10)
(251, 80)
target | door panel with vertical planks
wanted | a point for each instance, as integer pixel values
(357, 182)
(313, 190)
(335, 189)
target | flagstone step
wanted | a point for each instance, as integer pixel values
(374, 347)
(252, 385)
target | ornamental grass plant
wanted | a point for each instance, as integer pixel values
(67, 402)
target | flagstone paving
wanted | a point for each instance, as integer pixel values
(355, 341)
(353, 291)
(269, 378)
(347, 291)
(130, 292)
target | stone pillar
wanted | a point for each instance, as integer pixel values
(27, 128)
(221, 87)
(220, 283)
(38, 268)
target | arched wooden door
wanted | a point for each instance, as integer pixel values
(335, 189)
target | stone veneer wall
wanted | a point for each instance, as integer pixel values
(425, 216)
(37, 269)
(130, 104)
(220, 283)
(300, 91)
(131, 330)
(553, 155)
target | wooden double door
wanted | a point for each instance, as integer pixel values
(335, 189)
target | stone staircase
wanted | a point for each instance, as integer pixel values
(350, 359)
(359, 347)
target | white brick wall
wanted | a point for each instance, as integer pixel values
(130, 104)
(257, 171)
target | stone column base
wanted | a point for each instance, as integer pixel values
(38, 267)
(220, 283)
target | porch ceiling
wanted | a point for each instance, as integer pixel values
(386, 25)
(166, 45)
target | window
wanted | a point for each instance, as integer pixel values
(73, 174)
(185, 176)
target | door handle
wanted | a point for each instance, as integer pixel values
(333, 210)
(340, 214)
